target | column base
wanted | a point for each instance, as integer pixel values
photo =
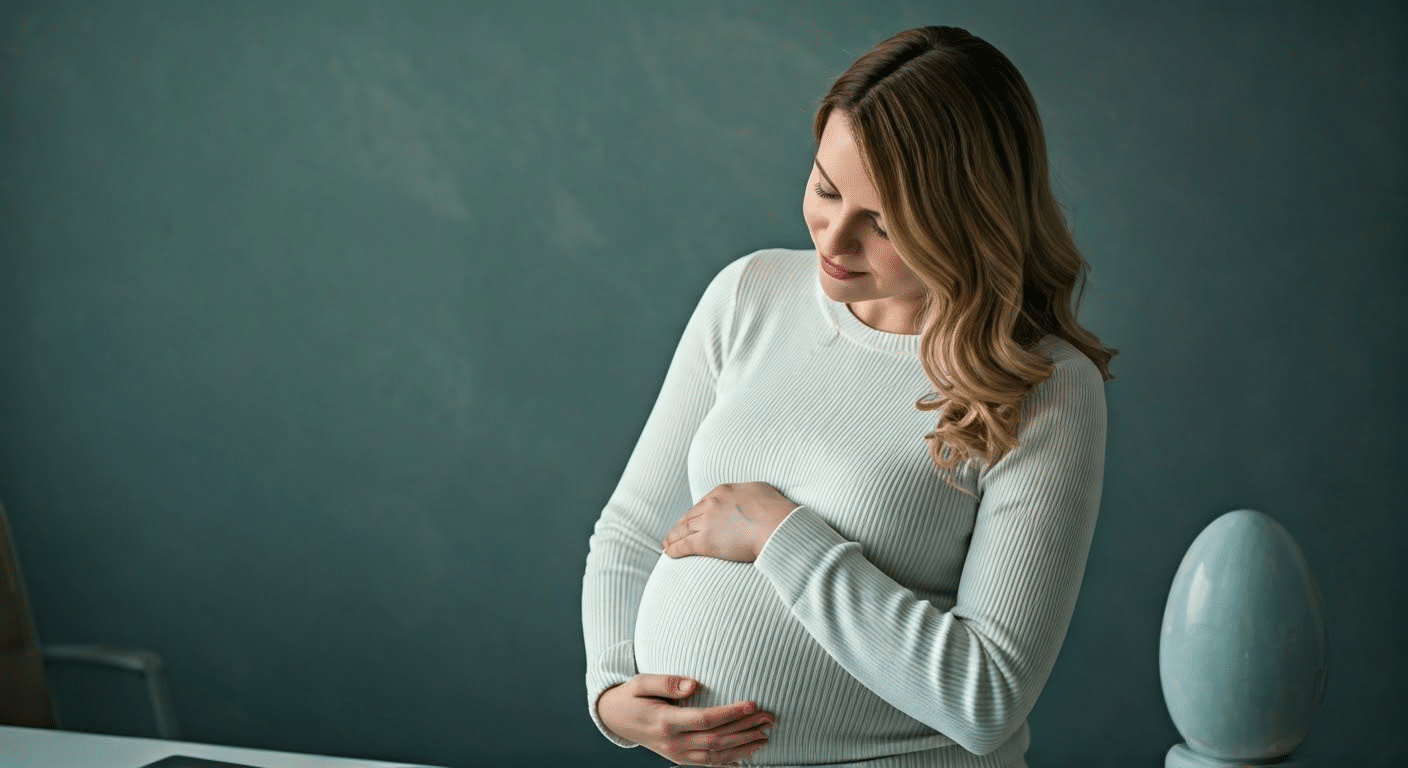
(1183, 757)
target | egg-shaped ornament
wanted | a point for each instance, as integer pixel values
(1242, 651)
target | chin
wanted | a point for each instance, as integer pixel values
(833, 291)
(836, 290)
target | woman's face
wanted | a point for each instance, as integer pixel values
(858, 264)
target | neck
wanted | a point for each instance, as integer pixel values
(887, 315)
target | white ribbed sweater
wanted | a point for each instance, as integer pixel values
(891, 618)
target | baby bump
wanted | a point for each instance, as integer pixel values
(722, 624)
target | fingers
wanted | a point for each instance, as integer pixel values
(709, 718)
(754, 738)
(712, 735)
(643, 709)
(721, 756)
(677, 542)
(751, 723)
(732, 741)
(718, 748)
(682, 547)
(718, 735)
(738, 716)
(674, 537)
(664, 686)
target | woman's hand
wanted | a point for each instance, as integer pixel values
(731, 522)
(642, 710)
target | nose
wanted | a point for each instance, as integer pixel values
(837, 238)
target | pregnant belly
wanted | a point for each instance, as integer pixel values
(722, 624)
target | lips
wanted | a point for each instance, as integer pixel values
(837, 271)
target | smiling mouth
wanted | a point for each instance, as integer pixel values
(837, 271)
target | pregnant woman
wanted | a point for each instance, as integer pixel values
(855, 524)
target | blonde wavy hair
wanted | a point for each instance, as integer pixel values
(950, 135)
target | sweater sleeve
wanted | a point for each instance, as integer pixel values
(972, 672)
(652, 494)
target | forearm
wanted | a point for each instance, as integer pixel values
(974, 671)
(653, 490)
(611, 589)
(969, 677)
(618, 565)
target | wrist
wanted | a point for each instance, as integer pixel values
(605, 705)
(781, 513)
(607, 708)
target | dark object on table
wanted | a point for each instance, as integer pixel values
(186, 761)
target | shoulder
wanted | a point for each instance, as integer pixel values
(768, 279)
(1062, 422)
(1074, 393)
(769, 269)
(1071, 370)
(760, 287)
(1070, 400)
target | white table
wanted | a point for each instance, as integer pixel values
(45, 748)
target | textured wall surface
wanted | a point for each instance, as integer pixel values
(327, 327)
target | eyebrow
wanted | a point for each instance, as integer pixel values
(817, 162)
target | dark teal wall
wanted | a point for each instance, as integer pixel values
(326, 328)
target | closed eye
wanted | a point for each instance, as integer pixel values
(874, 225)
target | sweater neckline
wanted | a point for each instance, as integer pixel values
(848, 325)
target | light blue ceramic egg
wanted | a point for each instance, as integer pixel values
(1242, 653)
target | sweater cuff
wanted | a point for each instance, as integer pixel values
(616, 665)
(790, 555)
